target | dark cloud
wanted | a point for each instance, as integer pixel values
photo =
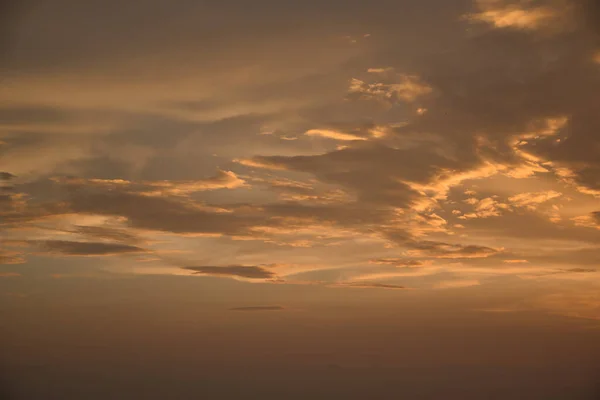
(370, 285)
(500, 82)
(6, 200)
(32, 114)
(100, 232)
(374, 172)
(185, 216)
(429, 248)
(258, 308)
(6, 176)
(399, 262)
(87, 248)
(484, 86)
(585, 257)
(591, 11)
(447, 250)
(524, 225)
(218, 26)
(161, 213)
(580, 270)
(11, 257)
(567, 271)
(15, 209)
(252, 272)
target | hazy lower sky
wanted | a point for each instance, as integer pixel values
(300, 199)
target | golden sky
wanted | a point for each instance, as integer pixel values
(392, 178)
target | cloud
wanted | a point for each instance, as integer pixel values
(87, 248)
(399, 262)
(484, 208)
(579, 270)
(11, 257)
(375, 172)
(577, 304)
(514, 14)
(369, 285)
(160, 213)
(9, 274)
(578, 257)
(258, 308)
(223, 180)
(588, 221)
(450, 251)
(531, 200)
(402, 87)
(456, 284)
(257, 162)
(511, 112)
(380, 70)
(250, 272)
(350, 132)
(101, 232)
(6, 176)
(333, 134)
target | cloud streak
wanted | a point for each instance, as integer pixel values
(87, 248)
(369, 285)
(472, 151)
(257, 308)
(240, 271)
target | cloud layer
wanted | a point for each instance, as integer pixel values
(427, 149)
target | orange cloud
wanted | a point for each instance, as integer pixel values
(70, 248)
(11, 257)
(368, 285)
(222, 180)
(258, 162)
(9, 274)
(326, 133)
(240, 271)
(532, 200)
(258, 308)
(588, 221)
(484, 208)
(398, 262)
(513, 14)
(403, 88)
(459, 283)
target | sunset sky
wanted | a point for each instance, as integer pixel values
(294, 199)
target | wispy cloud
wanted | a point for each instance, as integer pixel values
(241, 271)
(531, 200)
(368, 285)
(11, 257)
(9, 274)
(479, 156)
(258, 308)
(459, 283)
(223, 180)
(401, 88)
(87, 248)
(514, 14)
(6, 176)
(399, 262)
(333, 134)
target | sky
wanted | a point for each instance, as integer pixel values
(293, 199)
